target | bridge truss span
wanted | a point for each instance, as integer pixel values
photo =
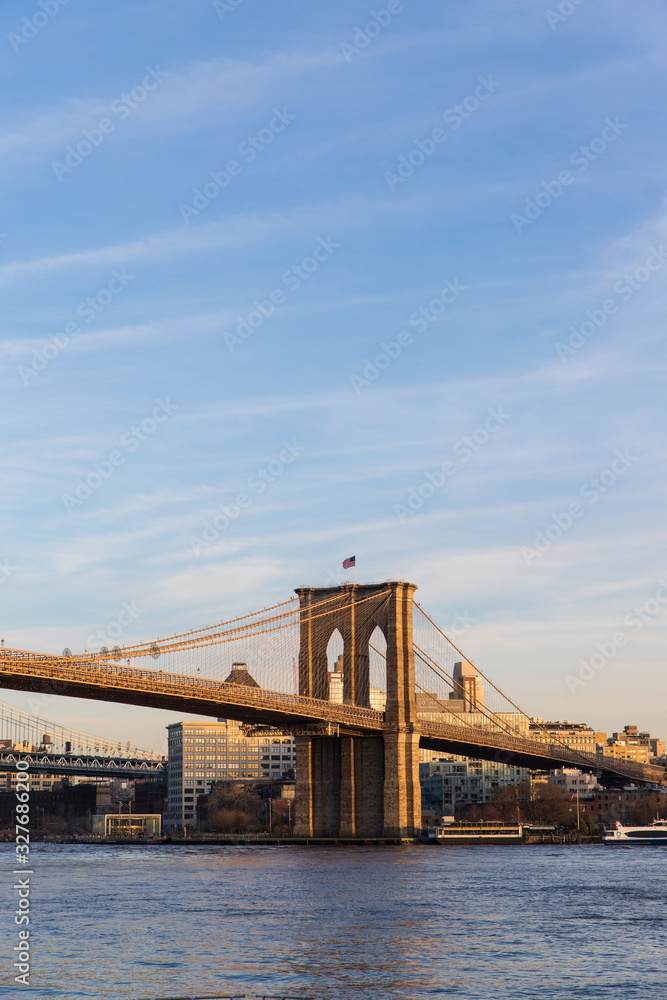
(82, 765)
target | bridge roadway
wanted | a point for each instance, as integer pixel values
(89, 765)
(111, 682)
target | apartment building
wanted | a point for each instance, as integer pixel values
(201, 753)
(454, 781)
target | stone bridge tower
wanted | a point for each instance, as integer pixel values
(353, 785)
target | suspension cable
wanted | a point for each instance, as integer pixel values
(555, 740)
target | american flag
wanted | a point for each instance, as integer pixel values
(348, 563)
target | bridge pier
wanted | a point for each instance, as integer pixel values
(317, 806)
(361, 792)
(402, 791)
(364, 785)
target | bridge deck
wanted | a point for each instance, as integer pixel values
(523, 752)
(80, 678)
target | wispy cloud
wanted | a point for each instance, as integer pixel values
(193, 96)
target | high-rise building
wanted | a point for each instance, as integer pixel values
(632, 745)
(629, 745)
(465, 707)
(468, 686)
(336, 682)
(201, 753)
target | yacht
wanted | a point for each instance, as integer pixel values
(656, 833)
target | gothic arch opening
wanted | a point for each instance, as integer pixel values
(377, 656)
(335, 648)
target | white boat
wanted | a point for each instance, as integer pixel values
(656, 833)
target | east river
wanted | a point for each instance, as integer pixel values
(474, 923)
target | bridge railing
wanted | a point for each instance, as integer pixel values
(557, 753)
(78, 670)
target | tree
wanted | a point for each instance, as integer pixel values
(645, 810)
(234, 807)
(587, 826)
(545, 804)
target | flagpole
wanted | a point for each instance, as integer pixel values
(355, 571)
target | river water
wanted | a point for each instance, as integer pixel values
(472, 923)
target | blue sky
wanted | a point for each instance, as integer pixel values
(401, 285)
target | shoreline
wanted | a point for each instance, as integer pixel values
(255, 840)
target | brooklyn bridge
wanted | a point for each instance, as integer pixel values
(398, 684)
